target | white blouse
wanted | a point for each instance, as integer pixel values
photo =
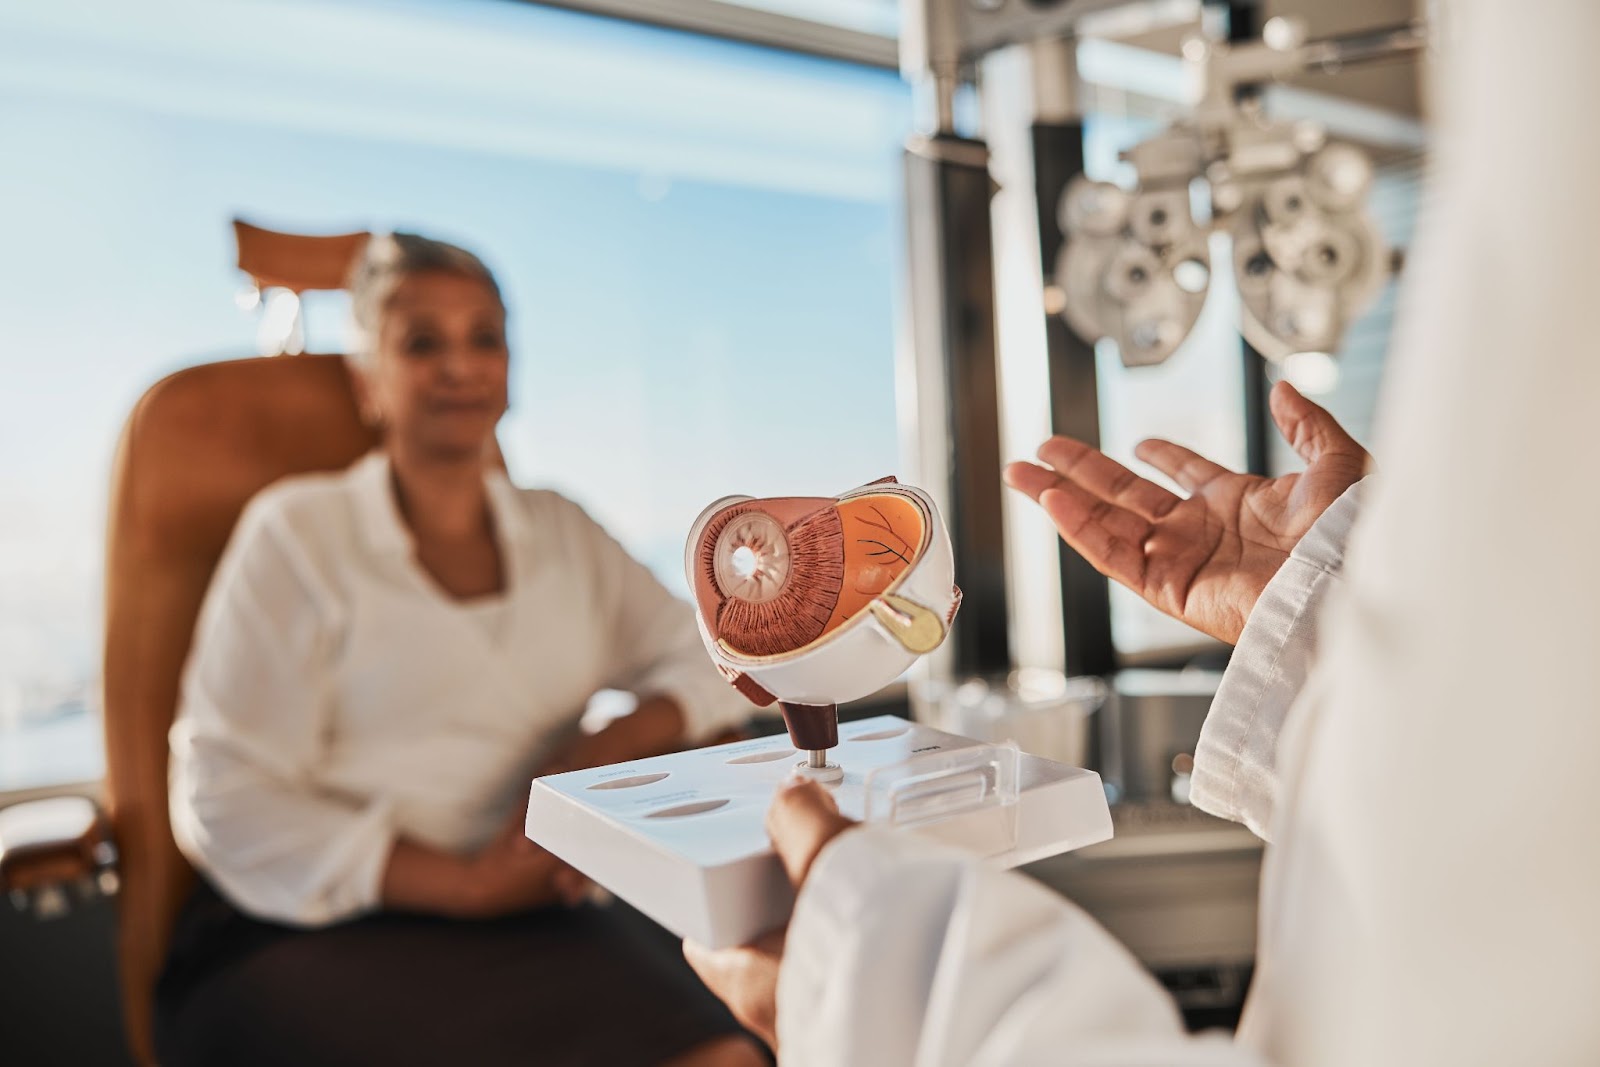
(336, 698)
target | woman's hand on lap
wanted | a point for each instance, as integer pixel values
(511, 874)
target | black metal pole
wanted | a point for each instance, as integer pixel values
(1074, 403)
(1244, 24)
(951, 273)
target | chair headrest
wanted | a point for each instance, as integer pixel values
(296, 261)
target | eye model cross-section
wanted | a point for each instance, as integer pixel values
(813, 601)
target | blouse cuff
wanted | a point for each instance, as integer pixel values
(345, 881)
(362, 889)
(709, 704)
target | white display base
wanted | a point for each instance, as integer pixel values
(682, 837)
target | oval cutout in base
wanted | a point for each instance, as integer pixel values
(697, 808)
(883, 735)
(630, 783)
(761, 757)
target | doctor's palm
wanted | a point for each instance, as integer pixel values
(1206, 558)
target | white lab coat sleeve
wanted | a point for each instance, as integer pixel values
(905, 952)
(251, 724)
(655, 647)
(1236, 769)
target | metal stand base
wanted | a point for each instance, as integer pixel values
(817, 768)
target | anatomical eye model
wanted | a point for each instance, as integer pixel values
(808, 602)
(812, 601)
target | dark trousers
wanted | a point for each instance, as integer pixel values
(567, 988)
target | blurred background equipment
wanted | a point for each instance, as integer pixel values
(1043, 711)
(1307, 257)
(1135, 265)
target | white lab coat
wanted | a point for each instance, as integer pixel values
(1236, 760)
(1432, 892)
(337, 698)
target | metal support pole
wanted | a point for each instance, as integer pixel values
(1056, 147)
(951, 283)
(1244, 24)
(1074, 403)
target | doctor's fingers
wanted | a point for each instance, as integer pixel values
(1105, 478)
(1111, 539)
(1085, 511)
(1034, 481)
(802, 820)
(1308, 427)
(1189, 469)
(1030, 479)
(745, 979)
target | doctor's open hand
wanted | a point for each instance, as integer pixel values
(1203, 559)
(802, 820)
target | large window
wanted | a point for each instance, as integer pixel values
(697, 238)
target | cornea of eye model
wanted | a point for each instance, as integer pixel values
(810, 602)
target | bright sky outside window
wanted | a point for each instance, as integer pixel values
(697, 239)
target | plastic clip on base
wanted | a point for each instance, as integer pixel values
(981, 782)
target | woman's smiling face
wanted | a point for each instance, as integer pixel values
(437, 377)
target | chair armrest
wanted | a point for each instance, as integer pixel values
(46, 845)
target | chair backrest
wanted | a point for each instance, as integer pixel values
(197, 447)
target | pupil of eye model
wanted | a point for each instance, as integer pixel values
(745, 561)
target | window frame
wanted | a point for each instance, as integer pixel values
(736, 22)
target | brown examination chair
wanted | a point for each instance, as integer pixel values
(195, 449)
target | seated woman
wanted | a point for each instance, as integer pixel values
(386, 658)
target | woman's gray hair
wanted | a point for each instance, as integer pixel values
(388, 260)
